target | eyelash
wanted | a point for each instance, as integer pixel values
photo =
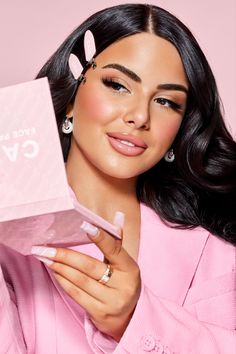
(116, 86)
(171, 104)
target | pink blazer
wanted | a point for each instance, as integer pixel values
(187, 303)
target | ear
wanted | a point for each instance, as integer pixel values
(89, 45)
(75, 66)
(69, 110)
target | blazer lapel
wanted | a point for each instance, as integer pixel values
(168, 257)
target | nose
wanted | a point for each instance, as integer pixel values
(139, 116)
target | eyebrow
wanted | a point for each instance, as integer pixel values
(174, 87)
(136, 78)
(125, 71)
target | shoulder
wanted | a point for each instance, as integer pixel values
(213, 246)
(192, 266)
(152, 223)
(218, 257)
(213, 288)
(213, 255)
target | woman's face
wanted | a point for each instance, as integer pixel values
(128, 112)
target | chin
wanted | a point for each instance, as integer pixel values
(120, 173)
(115, 172)
(119, 170)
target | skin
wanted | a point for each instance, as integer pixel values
(95, 169)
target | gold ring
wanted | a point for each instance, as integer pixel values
(106, 275)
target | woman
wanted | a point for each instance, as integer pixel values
(148, 140)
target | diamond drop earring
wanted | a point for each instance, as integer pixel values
(169, 156)
(67, 126)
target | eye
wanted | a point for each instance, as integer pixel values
(115, 85)
(168, 103)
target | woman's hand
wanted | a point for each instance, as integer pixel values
(110, 306)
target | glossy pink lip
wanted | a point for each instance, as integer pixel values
(117, 141)
(130, 138)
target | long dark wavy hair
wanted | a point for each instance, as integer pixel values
(199, 187)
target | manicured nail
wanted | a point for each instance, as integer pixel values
(119, 219)
(48, 262)
(43, 251)
(89, 228)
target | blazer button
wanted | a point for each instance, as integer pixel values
(167, 351)
(148, 343)
(159, 349)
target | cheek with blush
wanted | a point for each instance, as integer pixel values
(168, 130)
(95, 107)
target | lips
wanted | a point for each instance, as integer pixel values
(129, 138)
(126, 144)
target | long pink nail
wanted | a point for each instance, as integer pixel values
(89, 228)
(119, 219)
(44, 251)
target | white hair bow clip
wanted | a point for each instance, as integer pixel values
(89, 49)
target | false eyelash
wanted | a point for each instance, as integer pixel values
(173, 105)
(110, 82)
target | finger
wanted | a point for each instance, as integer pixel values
(88, 302)
(90, 286)
(110, 247)
(74, 259)
(118, 222)
(78, 277)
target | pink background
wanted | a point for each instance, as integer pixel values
(31, 30)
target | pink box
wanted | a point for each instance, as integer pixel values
(37, 207)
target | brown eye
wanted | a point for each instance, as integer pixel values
(116, 86)
(167, 103)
